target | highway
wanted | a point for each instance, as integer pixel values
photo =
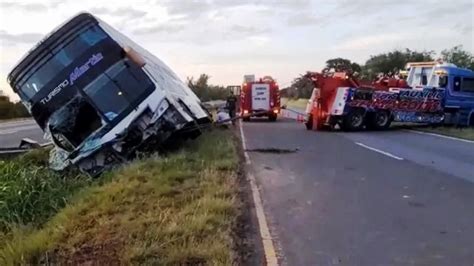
(12, 132)
(363, 198)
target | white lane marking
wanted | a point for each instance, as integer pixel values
(17, 129)
(267, 242)
(379, 151)
(438, 135)
(244, 145)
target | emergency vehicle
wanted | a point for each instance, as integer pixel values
(259, 98)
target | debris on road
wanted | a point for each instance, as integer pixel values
(273, 150)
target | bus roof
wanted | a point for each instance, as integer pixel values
(42, 48)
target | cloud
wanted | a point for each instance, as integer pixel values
(303, 19)
(12, 39)
(259, 40)
(24, 6)
(167, 28)
(192, 8)
(196, 8)
(249, 29)
(128, 12)
(367, 42)
(465, 29)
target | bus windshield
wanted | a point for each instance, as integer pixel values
(117, 88)
(62, 58)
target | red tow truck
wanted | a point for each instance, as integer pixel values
(340, 99)
(259, 98)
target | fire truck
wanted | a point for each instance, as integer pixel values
(259, 98)
(340, 99)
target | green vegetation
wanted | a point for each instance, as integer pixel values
(206, 92)
(463, 133)
(458, 56)
(30, 193)
(392, 62)
(177, 209)
(295, 103)
(9, 110)
(388, 63)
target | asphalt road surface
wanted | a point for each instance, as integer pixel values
(11, 133)
(365, 198)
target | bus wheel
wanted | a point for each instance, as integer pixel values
(272, 118)
(354, 121)
(246, 119)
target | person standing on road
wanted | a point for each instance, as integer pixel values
(231, 105)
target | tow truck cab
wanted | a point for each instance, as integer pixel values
(459, 94)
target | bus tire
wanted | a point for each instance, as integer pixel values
(353, 121)
(246, 119)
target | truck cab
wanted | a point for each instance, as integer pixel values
(457, 82)
(259, 98)
(459, 94)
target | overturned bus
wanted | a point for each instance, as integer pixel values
(100, 97)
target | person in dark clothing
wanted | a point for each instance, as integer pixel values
(231, 105)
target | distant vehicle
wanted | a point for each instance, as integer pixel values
(100, 96)
(339, 99)
(259, 98)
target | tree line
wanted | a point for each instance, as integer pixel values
(389, 63)
(205, 91)
(9, 110)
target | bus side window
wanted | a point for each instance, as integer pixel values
(467, 85)
(457, 84)
(424, 80)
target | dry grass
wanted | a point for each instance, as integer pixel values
(167, 211)
(464, 133)
(299, 104)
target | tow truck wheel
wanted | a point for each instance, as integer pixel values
(309, 122)
(354, 121)
(272, 118)
(318, 124)
(382, 120)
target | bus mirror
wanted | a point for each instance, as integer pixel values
(134, 56)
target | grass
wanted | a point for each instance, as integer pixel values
(30, 193)
(172, 210)
(295, 104)
(463, 133)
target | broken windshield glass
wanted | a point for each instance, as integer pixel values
(73, 123)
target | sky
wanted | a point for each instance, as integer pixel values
(228, 39)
